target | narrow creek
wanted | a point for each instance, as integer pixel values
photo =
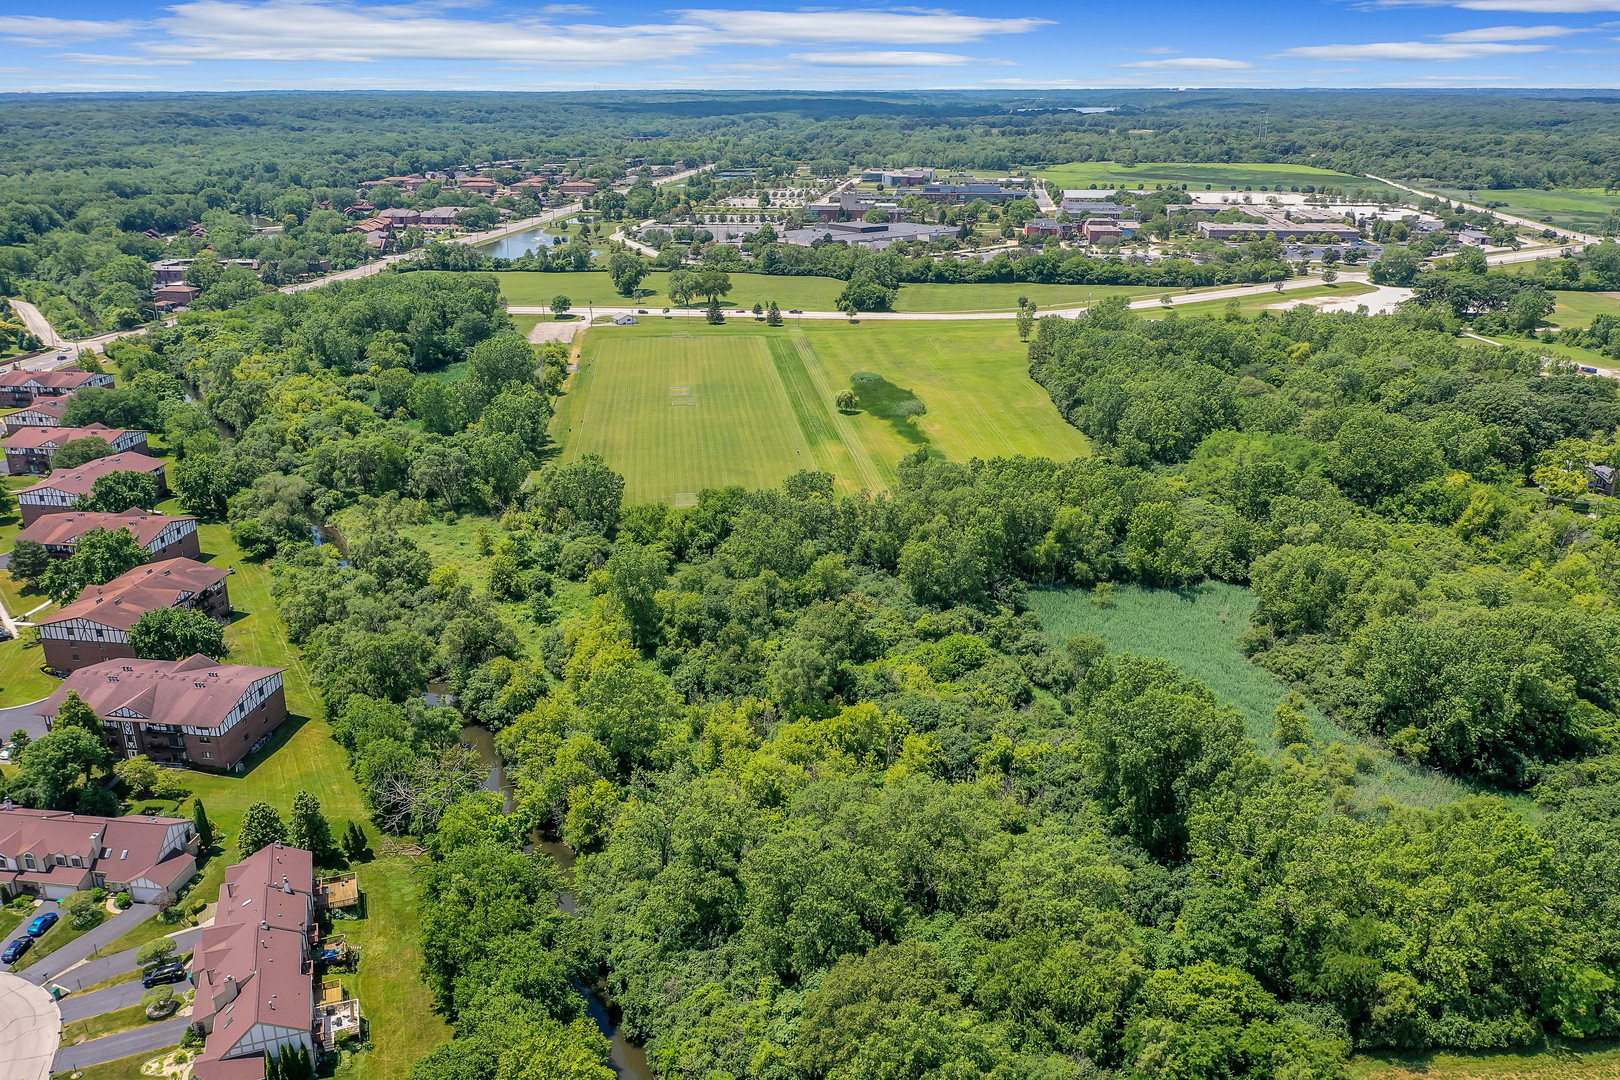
(628, 1060)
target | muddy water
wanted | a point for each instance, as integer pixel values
(628, 1060)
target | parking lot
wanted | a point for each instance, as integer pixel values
(95, 1015)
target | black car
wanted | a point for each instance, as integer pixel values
(794, 311)
(15, 950)
(172, 972)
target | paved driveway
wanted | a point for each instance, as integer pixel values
(29, 1029)
(40, 971)
(142, 1040)
(81, 1006)
(92, 972)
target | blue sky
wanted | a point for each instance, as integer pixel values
(498, 44)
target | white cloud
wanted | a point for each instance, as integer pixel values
(888, 27)
(1191, 63)
(882, 59)
(1509, 33)
(1542, 7)
(1437, 51)
(41, 30)
(111, 60)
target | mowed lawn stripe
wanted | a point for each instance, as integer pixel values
(872, 475)
(813, 409)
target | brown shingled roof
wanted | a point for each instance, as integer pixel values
(133, 846)
(33, 438)
(122, 601)
(65, 529)
(198, 692)
(69, 377)
(82, 480)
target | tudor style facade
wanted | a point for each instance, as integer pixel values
(63, 488)
(54, 853)
(194, 712)
(32, 449)
(165, 536)
(20, 388)
(44, 412)
(96, 627)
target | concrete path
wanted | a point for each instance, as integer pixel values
(30, 1027)
(93, 971)
(82, 1006)
(42, 971)
(38, 324)
(552, 330)
(146, 1039)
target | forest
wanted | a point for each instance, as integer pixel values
(843, 809)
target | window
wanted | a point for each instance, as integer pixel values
(208, 754)
(75, 861)
(28, 860)
(60, 861)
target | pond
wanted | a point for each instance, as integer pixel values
(513, 247)
(628, 1060)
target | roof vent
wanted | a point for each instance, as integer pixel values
(286, 886)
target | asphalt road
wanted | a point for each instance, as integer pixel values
(30, 1027)
(41, 971)
(142, 1040)
(1577, 237)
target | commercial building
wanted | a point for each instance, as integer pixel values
(63, 488)
(913, 177)
(1277, 229)
(95, 628)
(21, 388)
(966, 193)
(875, 235)
(54, 854)
(1076, 203)
(195, 712)
(173, 296)
(254, 969)
(31, 450)
(165, 536)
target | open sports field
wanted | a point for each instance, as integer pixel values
(531, 288)
(678, 407)
(1237, 176)
(1582, 209)
(1580, 308)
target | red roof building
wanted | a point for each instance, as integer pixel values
(253, 967)
(19, 388)
(32, 449)
(164, 536)
(44, 412)
(95, 627)
(195, 712)
(53, 854)
(59, 491)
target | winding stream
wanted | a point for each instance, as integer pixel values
(628, 1060)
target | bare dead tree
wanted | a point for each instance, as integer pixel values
(414, 801)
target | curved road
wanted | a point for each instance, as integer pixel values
(30, 1028)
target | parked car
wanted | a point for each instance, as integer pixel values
(172, 972)
(15, 950)
(42, 923)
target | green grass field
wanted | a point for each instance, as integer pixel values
(1580, 308)
(1197, 630)
(1223, 177)
(1593, 1060)
(126, 1068)
(529, 288)
(678, 408)
(1582, 209)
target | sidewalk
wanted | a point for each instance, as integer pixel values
(30, 1027)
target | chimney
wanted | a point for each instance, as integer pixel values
(227, 993)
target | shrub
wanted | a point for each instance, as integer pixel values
(84, 910)
(123, 900)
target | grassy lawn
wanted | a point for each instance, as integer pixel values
(1223, 177)
(527, 288)
(1556, 350)
(9, 921)
(1582, 209)
(57, 936)
(128, 1068)
(1580, 308)
(150, 930)
(1577, 1061)
(1265, 300)
(108, 1023)
(388, 984)
(1197, 630)
(115, 980)
(678, 409)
